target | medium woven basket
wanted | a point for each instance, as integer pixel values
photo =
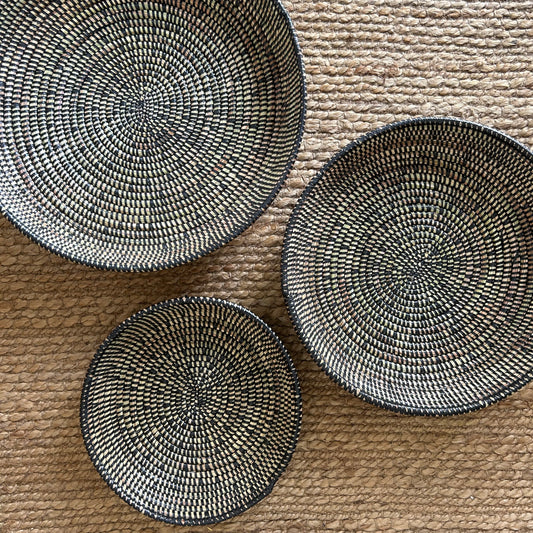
(191, 410)
(408, 264)
(141, 135)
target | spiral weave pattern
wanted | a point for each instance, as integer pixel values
(141, 135)
(408, 267)
(191, 410)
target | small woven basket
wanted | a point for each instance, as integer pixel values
(191, 410)
(408, 267)
(141, 135)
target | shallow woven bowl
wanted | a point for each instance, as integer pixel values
(191, 410)
(407, 267)
(141, 135)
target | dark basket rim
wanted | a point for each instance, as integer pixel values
(100, 265)
(161, 306)
(297, 324)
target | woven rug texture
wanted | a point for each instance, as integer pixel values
(356, 467)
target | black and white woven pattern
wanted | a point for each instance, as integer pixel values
(138, 135)
(407, 267)
(191, 410)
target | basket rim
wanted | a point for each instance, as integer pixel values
(158, 266)
(185, 300)
(297, 323)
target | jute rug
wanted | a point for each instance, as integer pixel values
(357, 467)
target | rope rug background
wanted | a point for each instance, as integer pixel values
(356, 467)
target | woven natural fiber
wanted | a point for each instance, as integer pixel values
(407, 267)
(191, 410)
(356, 468)
(141, 135)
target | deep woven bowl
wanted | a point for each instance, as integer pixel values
(141, 135)
(407, 267)
(191, 410)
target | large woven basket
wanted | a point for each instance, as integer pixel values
(191, 410)
(141, 135)
(408, 267)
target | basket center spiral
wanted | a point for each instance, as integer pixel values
(414, 269)
(146, 110)
(196, 397)
(417, 261)
(203, 395)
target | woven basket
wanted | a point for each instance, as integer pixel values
(141, 135)
(191, 410)
(407, 267)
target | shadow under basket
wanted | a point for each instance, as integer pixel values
(191, 410)
(407, 267)
(138, 136)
